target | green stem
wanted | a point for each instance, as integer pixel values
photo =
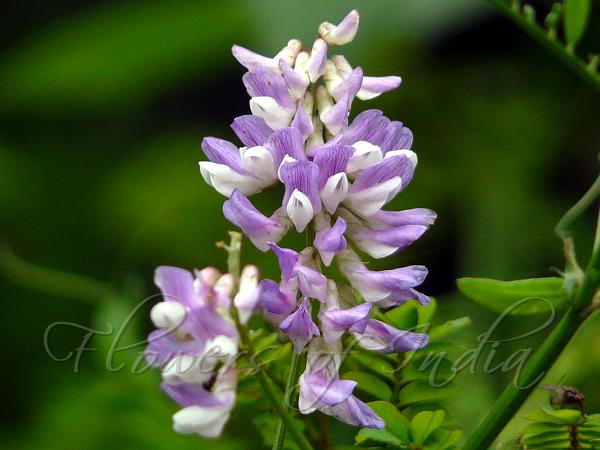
(287, 396)
(562, 228)
(233, 264)
(52, 282)
(513, 397)
(554, 46)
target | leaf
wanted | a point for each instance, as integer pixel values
(422, 392)
(533, 296)
(449, 328)
(405, 317)
(396, 431)
(374, 363)
(425, 423)
(370, 384)
(559, 417)
(442, 439)
(426, 313)
(576, 13)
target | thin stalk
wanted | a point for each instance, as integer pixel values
(554, 46)
(513, 397)
(562, 227)
(287, 397)
(233, 264)
(51, 281)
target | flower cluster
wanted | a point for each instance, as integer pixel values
(196, 343)
(337, 175)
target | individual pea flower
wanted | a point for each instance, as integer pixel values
(196, 342)
(322, 389)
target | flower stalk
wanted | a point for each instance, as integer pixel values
(514, 396)
(280, 408)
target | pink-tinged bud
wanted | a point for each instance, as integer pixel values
(225, 284)
(317, 62)
(246, 299)
(210, 275)
(341, 33)
(289, 52)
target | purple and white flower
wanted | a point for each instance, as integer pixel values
(196, 342)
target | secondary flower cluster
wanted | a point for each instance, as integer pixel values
(196, 343)
(337, 178)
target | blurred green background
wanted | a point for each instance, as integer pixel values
(102, 109)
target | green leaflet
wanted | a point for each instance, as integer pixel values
(520, 297)
(370, 384)
(425, 423)
(576, 13)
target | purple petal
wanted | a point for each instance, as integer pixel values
(303, 176)
(259, 228)
(374, 86)
(416, 216)
(400, 297)
(287, 259)
(224, 152)
(355, 412)
(335, 321)
(318, 391)
(164, 346)
(176, 285)
(312, 283)
(251, 60)
(330, 160)
(383, 338)
(296, 82)
(396, 137)
(302, 122)
(275, 302)
(396, 166)
(317, 62)
(190, 395)
(251, 130)
(384, 242)
(300, 327)
(206, 323)
(375, 286)
(265, 83)
(336, 118)
(330, 241)
(368, 126)
(343, 32)
(350, 86)
(286, 141)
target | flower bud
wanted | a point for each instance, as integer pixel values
(341, 33)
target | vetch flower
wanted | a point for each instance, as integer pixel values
(383, 338)
(299, 326)
(196, 343)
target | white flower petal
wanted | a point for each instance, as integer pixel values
(334, 191)
(368, 201)
(259, 161)
(404, 152)
(225, 180)
(188, 369)
(274, 114)
(365, 155)
(168, 314)
(207, 422)
(300, 210)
